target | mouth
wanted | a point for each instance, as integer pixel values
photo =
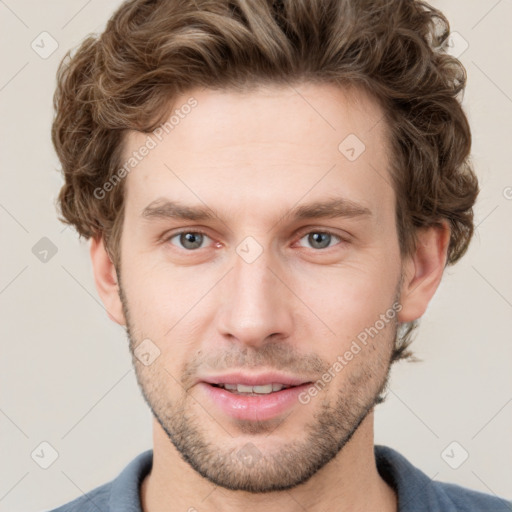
(253, 397)
(242, 389)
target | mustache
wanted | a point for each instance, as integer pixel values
(274, 356)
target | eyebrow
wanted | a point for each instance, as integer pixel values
(162, 208)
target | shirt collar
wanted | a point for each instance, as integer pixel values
(414, 489)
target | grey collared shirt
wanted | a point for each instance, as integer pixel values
(415, 490)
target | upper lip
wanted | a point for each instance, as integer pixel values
(259, 379)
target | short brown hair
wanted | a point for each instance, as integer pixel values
(153, 50)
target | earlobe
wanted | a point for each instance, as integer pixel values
(423, 271)
(105, 278)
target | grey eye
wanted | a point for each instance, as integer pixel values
(320, 239)
(189, 240)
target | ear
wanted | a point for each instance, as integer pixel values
(423, 271)
(105, 277)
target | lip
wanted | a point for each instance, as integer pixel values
(255, 380)
(253, 408)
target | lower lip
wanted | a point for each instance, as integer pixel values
(253, 408)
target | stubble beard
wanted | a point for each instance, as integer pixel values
(293, 463)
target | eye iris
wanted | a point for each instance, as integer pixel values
(317, 240)
(191, 240)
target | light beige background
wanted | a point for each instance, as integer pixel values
(65, 370)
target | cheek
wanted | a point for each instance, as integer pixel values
(159, 290)
(351, 302)
(354, 292)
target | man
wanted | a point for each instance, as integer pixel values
(272, 192)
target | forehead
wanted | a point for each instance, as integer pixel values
(264, 148)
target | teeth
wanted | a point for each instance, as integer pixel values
(244, 389)
(259, 390)
(267, 388)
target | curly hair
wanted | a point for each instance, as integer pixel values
(153, 50)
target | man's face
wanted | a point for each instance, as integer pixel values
(257, 294)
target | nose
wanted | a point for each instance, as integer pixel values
(256, 304)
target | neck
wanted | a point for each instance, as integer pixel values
(349, 482)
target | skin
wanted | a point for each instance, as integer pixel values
(252, 157)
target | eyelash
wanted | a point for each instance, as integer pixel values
(194, 231)
(302, 234)
(324, 231)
